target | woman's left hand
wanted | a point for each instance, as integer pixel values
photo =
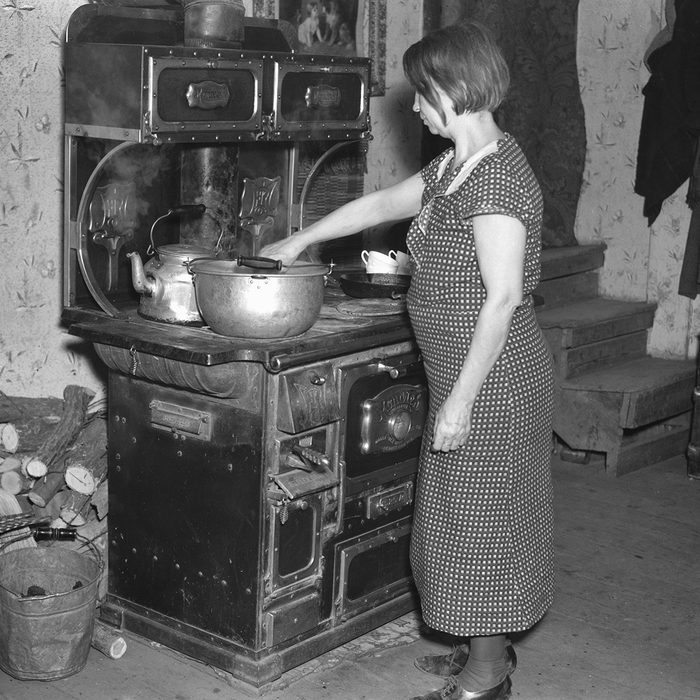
(452, 424)
(287, 250)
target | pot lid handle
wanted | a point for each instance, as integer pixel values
(259, 263)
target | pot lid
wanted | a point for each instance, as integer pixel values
(185, 251)
(231, 268)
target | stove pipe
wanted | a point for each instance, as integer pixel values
(214, 23)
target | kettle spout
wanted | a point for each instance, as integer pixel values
(142, 284)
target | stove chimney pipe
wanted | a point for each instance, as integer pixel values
(214, 23)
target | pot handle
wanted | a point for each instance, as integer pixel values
(188, 262)
(259, 263)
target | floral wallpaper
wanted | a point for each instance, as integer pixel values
(641, 262)
(38, 357)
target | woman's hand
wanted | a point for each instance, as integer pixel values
(452, 424)
(287, 250)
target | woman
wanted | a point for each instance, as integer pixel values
(481, 547)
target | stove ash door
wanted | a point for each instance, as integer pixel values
(372, 568)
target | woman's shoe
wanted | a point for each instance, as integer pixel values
(445, 665)
(453, 691)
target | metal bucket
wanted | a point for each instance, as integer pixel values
(214, 23)
(48, 636)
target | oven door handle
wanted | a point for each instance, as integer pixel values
(395, 371)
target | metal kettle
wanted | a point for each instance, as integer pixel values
(164, 283)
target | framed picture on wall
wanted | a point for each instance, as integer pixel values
(335, 27)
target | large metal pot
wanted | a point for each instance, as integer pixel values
(237, 300)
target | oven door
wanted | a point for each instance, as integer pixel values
(385, 407)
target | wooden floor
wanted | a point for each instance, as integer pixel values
(624, 625)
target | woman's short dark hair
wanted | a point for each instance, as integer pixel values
(465, 62)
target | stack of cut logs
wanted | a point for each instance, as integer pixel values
(53, 469)
(53, 462)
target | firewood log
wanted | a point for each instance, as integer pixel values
(85, 476)
(9, 437)
(34, 468)
(27, 432)
(100, 500)
(75, 509)
(15, 409)
(51, 453)
(108, 640)
(10, 464)
(14, 482)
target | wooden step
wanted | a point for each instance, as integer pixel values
(564, 290)
(637, 448)
(572, 362)
(592, 320)
(593, 333)
(627, 409)
(570, 260)
(569, 274)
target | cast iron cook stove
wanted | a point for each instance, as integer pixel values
(260, 492)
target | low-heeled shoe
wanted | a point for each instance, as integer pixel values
(452, 690)
(445, 665)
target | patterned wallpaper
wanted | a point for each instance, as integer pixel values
(38, 358)
(641, 263)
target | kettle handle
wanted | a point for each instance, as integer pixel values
(181, 210)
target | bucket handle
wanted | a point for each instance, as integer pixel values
(77, 536)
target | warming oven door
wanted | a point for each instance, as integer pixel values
(328, 97)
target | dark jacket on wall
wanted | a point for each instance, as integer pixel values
(668, 142)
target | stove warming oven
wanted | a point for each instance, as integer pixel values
(260, 492)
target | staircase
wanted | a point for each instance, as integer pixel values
(612, 401)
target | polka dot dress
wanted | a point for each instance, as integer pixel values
(481, 547)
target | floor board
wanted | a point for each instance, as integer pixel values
(624, 625)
